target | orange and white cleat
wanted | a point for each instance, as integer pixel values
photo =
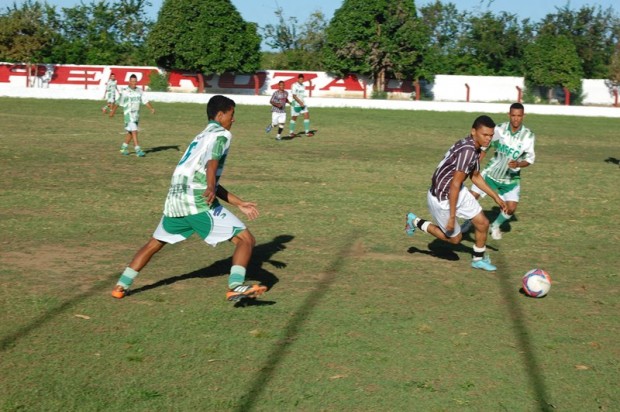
(119, 292)
(245, 292)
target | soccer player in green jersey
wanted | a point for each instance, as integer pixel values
(514, 149)
(111, 89)
(192, 205)
(130, 100)
(299, 106)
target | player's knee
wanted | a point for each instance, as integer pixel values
(511, 209)
(455, 240)
(247, 238)
(481, 222)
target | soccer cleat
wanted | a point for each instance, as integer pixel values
(140, 153)
(309, 134)
(484, 264)
(466, 226)
(124, 151)
(496, 233)
(268, 128)
(278, 138)
(244, 292)
(104, 110)
(119, 292)
(410, 226)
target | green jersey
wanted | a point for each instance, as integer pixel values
(189, 180)
(130, 101)
(509, 146)
(298, 90)
(110, 90)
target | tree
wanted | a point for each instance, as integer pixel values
(26, 32)
(204, 36)
(299, 47)
(376, 38)
(553, 61)
(593, 31)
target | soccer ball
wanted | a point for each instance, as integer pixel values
(536, 283)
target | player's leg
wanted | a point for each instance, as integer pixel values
(125, 145)
(136, 144)
(307, 123)
(292, 122)
(440, 210)
(280, 122)
(169, 230)
(510, 195)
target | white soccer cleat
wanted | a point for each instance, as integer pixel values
(496, 233)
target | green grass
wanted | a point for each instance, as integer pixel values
(362, 318)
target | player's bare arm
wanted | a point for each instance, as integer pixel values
(479, 181)
(209, 194)
(513, 164)
(453, 196)
(247, 208)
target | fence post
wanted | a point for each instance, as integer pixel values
(519, 94)
(566, 96)
(417, 89)
(467, 95)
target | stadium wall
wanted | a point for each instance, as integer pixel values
(449, 93)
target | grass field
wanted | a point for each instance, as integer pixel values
(359, 317)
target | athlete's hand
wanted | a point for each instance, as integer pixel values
(209, 195)
(450, 225)
(502, 205)
(249, 209)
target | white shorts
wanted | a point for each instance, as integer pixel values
(466, 208)
(296, 111)
(213, 226)
(512, 195)
(278, 118)
(111, 100)
(131, 126)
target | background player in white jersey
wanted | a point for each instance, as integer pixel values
(130, 100)
(111, 89)
(514, 149)
(298, 106)
(192, 206)
(278, 100)
(448, 198)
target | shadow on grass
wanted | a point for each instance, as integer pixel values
(522, 335)
(261, 254)
(447, 251)
(612, 160)
(293, 327)
(161, 149)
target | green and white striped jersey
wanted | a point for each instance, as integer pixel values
(298, 90)
(189, 180)
(509, 146)
(130, 100)
(110, 89)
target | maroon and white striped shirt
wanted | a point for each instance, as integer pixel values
(278, 97)
(462, 156)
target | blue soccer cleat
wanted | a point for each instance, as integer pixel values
(410, 226)
(484, 264)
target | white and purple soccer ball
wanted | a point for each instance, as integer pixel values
(536, 283)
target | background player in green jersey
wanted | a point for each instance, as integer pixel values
(298, 106)
(111, 89)
(130, 100)
(514, 149)
(192, 206)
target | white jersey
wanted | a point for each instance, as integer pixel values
(110, 90)
(509, 146)
(189, 180)
(130, 100)
(298, 90)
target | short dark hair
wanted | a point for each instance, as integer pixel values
(219, 103)
(517, 106)
(481, 121)
(301, 76)
(133, 76)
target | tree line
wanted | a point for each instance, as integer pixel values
(379, 38)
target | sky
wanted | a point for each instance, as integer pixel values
(262, 11)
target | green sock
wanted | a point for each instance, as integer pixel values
(307, 125)
(124, 146)
(501, 218)
(236, 277)
(127, 277)
(291, 126)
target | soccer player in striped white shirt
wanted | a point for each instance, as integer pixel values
(278, 100)
(299, 106)
(448, 198)
(192, 206)
(514, 149)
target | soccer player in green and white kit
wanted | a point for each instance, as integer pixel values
(514, 150)
(130, 100)
(111, 89)
(298, 106)
(192, 206)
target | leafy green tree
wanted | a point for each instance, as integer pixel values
(26, 32)
(298, 46)
(379, 38)
(204, 36)
(553, 61)
(594, 32)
